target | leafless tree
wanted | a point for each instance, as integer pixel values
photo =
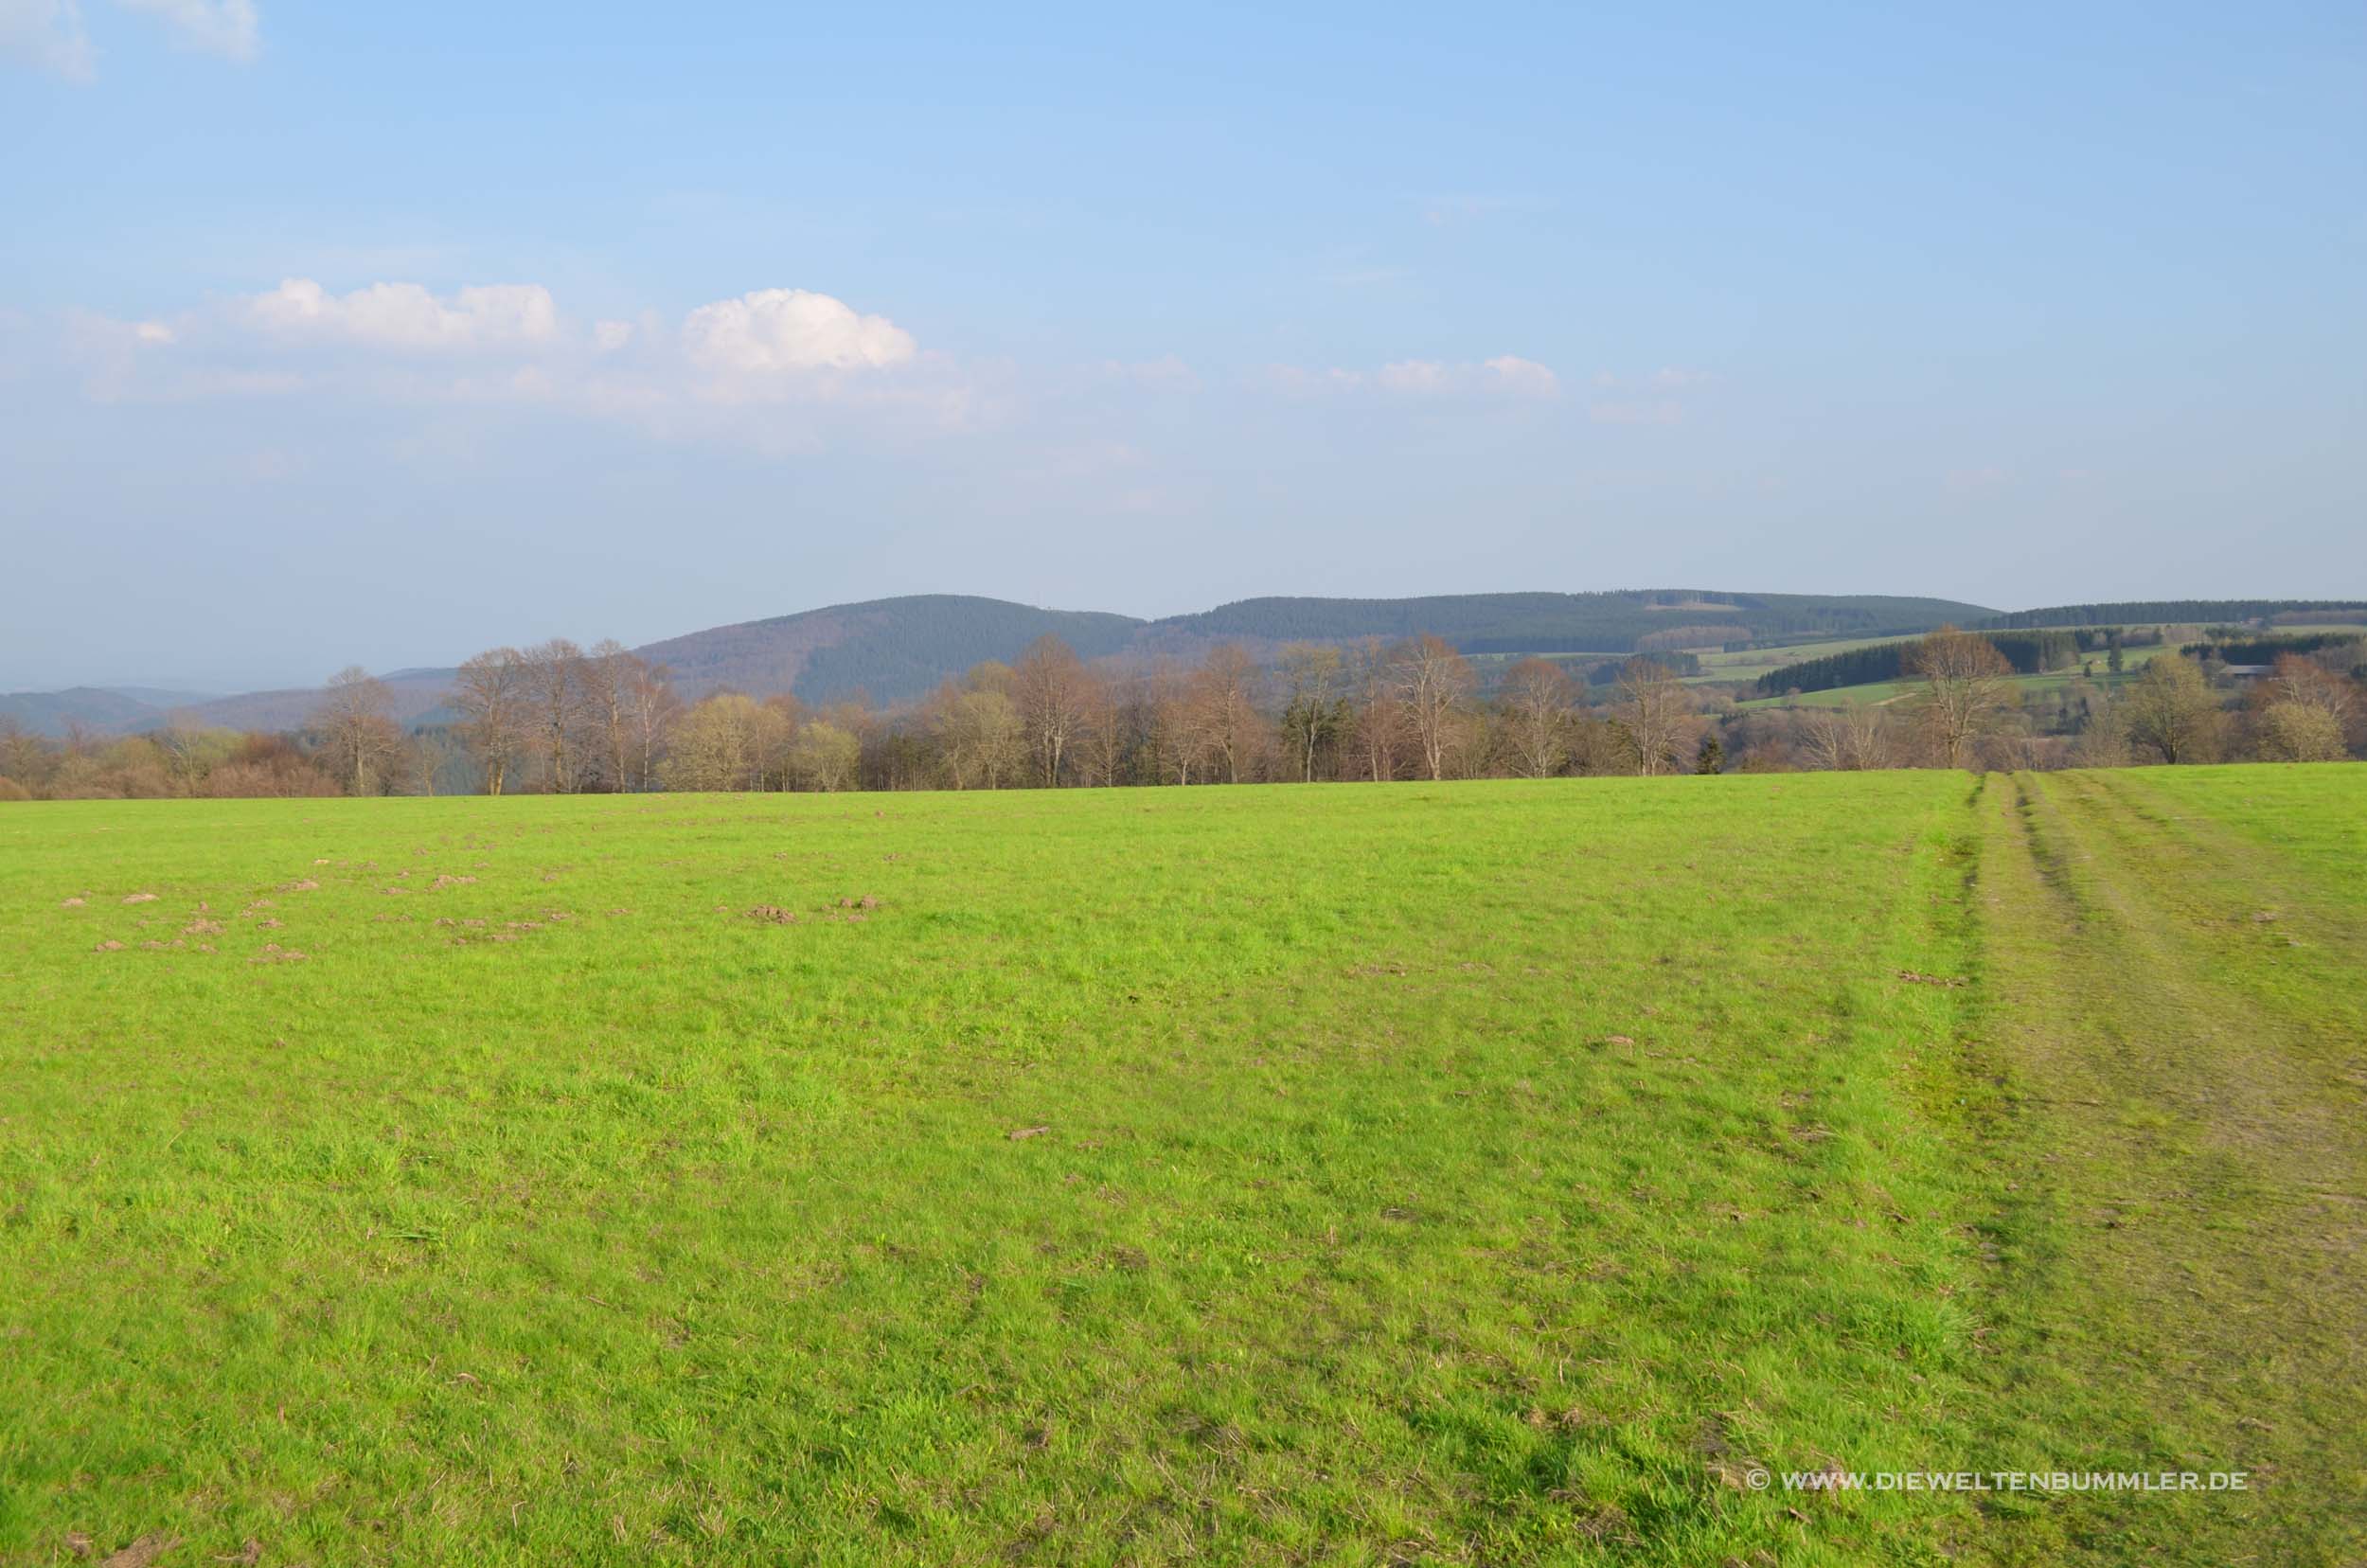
(190, 751)
(779, 720)
(1538, 697)
(1654, 714)
(1224, 695)
(722, 744)
(1374, 711)
(490, 694)
(1434, 684)
(612, 675)
(651, 710)
(1049, 688)
(22, 757)
(981, 736)
(1106, 740)
(2309, 683)
(1966, 685)
(1846, 738)
(560, 701)
(1313, 709)
(424, 757)
(1179, 736)
(355, 720)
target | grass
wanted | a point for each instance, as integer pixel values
(1877, 693)
(1483, 1172)
(1749, 664)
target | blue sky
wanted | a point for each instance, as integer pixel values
(336, 333)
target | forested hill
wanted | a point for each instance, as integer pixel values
(894, 650)
(2180, 611)
(886, 649)
(1616, 622)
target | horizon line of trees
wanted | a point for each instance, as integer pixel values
(562, 718)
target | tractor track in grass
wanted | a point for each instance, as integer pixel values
(2185, 1264)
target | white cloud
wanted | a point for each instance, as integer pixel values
(47, 35)
(404, 316)
(775, 331)
(226, 27)
(1527, 377)
(1416, 376)
(774, 370)
(1506, 374)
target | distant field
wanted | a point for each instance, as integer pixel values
(1494, 1172)
(2132, 660)
(1751, 663)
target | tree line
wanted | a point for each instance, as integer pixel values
(562, 718)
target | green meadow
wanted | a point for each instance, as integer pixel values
(1496, 1172)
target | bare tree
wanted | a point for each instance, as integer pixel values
(424, 757)
(2309, 683)
(555, 690)
(1434, 684)
(1313, 710)
(22, 757)
(1179, 736)
(1846, 738)
(653, 708)
(1107, 739)
(190, 752)
(777, 720)
(355, 720)
(721, 745)
(1966, 685)
(490, 694)
(1654, 711)
(611, 675)
(981, 735)
(1379, 720)
(1049, 688)
(1538, 697)
(1224, 695)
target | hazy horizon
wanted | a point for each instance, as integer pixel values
(337, 336)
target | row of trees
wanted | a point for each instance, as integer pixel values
(563, 719)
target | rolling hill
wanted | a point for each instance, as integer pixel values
(887, 650)
(893, 650)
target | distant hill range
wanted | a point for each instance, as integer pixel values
(893, 650)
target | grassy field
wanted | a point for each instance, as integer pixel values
(1879, 693)
(1477, 1173)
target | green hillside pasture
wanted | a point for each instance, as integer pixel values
(1749, 664)
(1497, 1172)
